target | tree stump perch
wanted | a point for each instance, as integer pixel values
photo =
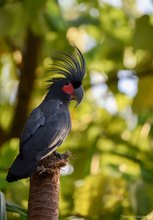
(44, 188)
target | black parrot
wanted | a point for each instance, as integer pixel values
(49, 124)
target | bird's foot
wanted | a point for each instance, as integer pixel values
(50, 164)
(41, 170)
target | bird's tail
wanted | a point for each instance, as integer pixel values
(20, 169)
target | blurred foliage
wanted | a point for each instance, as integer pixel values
(110, 174)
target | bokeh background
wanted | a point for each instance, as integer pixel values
(110, 175)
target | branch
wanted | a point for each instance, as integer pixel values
(44, 189)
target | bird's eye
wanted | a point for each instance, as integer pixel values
(76, 84)
(68, 88)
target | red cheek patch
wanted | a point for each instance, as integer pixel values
(68, 89)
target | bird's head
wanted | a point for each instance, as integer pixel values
(69, 71)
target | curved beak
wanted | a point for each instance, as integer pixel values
(78, 95)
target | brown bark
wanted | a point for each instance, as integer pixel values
(44, 189)
(27, 78)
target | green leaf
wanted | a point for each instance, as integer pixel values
(97, 194)
(12, 207)
(142, 197)
(143, 100)
(143, 34)
(2, 207)
(5, 22)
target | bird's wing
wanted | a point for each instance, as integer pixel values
(55, 130)
(44, 131)
(34, 122)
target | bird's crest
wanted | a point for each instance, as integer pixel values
(70, 66)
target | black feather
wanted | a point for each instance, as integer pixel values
(49, 124)
(68, 66)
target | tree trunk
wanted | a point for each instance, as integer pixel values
(27, 78)
(44, 189)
